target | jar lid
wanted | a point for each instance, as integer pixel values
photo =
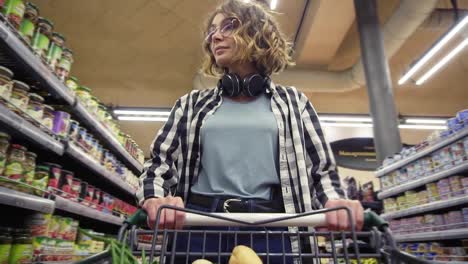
(58, 35)
(67, 50)
(33, 6)
(48, 107)
(6, 72)
(49, 164)
(72, 121)
(20, 85)
(42, 168)
(84, 88)
(68, 172)
(31, 154)
(17, 146)
(4, 135)
(45, 21)
(76, 180)
(36, 97)
(73, 78)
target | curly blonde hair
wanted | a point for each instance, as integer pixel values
(258, 39)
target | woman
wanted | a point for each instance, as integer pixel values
(246, 139)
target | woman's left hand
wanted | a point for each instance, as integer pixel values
(338, 220)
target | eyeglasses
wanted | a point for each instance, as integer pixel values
(226, 28)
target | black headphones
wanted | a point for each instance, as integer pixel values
(252, 85)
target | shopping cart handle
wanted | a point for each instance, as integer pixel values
(371, 219)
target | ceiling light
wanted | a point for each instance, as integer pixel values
(141, 112)
(273, 4)
(143, 118)
(442, 62)
(434, 50)
(345, 124)
(432, 127)
(425, 121)
(345, 118)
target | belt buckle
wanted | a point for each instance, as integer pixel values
(226, 204)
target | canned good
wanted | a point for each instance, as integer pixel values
(41, 178)
(29, 167)
(55, 49)
(54, 227)
(456, 186)
(5, 244)
(63, 67)
(432, 192)
(82, 134)
(14, 168)
(21, 249)
(89, 194)
(458, 152)
(65, 183)
(19, 96)
(84, 94)
(97, 201)
(61, 123)
(14, 11)
(75, 189)
(41, 38)
(74, 129)
(48, 117)
(72, 83)
(4, 145)
(6, 84)
(445, 158)
(55, 173)
(35, 107)
(28, 24)
(89, 142)
(83, 193)
(38, 223)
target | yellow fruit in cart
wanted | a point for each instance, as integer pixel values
(244, 255)
(202, 261)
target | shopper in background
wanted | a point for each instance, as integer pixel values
(248, 138)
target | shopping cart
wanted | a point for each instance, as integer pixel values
(373, 245)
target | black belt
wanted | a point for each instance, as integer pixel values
(236, 205)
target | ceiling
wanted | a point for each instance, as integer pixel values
(146, 53)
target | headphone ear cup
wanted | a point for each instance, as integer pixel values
(254, 85)
(230, 84)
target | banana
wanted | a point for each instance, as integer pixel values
(244, 255)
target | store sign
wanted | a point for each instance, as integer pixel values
(355, 153)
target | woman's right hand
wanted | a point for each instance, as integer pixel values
(169, 219)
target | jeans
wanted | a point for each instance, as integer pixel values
(213, 243)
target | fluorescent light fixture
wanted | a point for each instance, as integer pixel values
(434, 50)
(143, 118)
(345, 118)
(432, 127)
(442, 62)
(273, 4)
(345, 124)
(142, 112)
(425, 121)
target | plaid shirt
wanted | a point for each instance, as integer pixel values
(307, 167)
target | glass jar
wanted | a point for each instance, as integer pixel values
(55, 49)
(6, 84)
(48, 117)
(21, 248)
(41, 178)
(102, 110)
(82, 134)
(72, 84)
(19, 96)
(35, 107)
(4, 144)
(5, 244)
(42, 36)
(14, 11)
(14, 168)
(63, 67)
(29, 167)
(93, 104)
(61, 123)
(28, 24)
(74, 130)
(84, 94)
(88, 142)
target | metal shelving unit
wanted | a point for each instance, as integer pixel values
(433, 206)
(79, 155)
(79, 209)
(13, 121)
(23, 53)
(424, 152)
(392, 191)
(459, 233)
(106, 135)
(27, 201)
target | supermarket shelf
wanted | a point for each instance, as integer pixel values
(433, 236)
(392, 191)
(34, 64)
(437, 205)
(27, 201)
(106, 135)
(79, 209)
(424, 152)
(9, 119)
(78, 154)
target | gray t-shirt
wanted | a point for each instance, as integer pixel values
(239, 150)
